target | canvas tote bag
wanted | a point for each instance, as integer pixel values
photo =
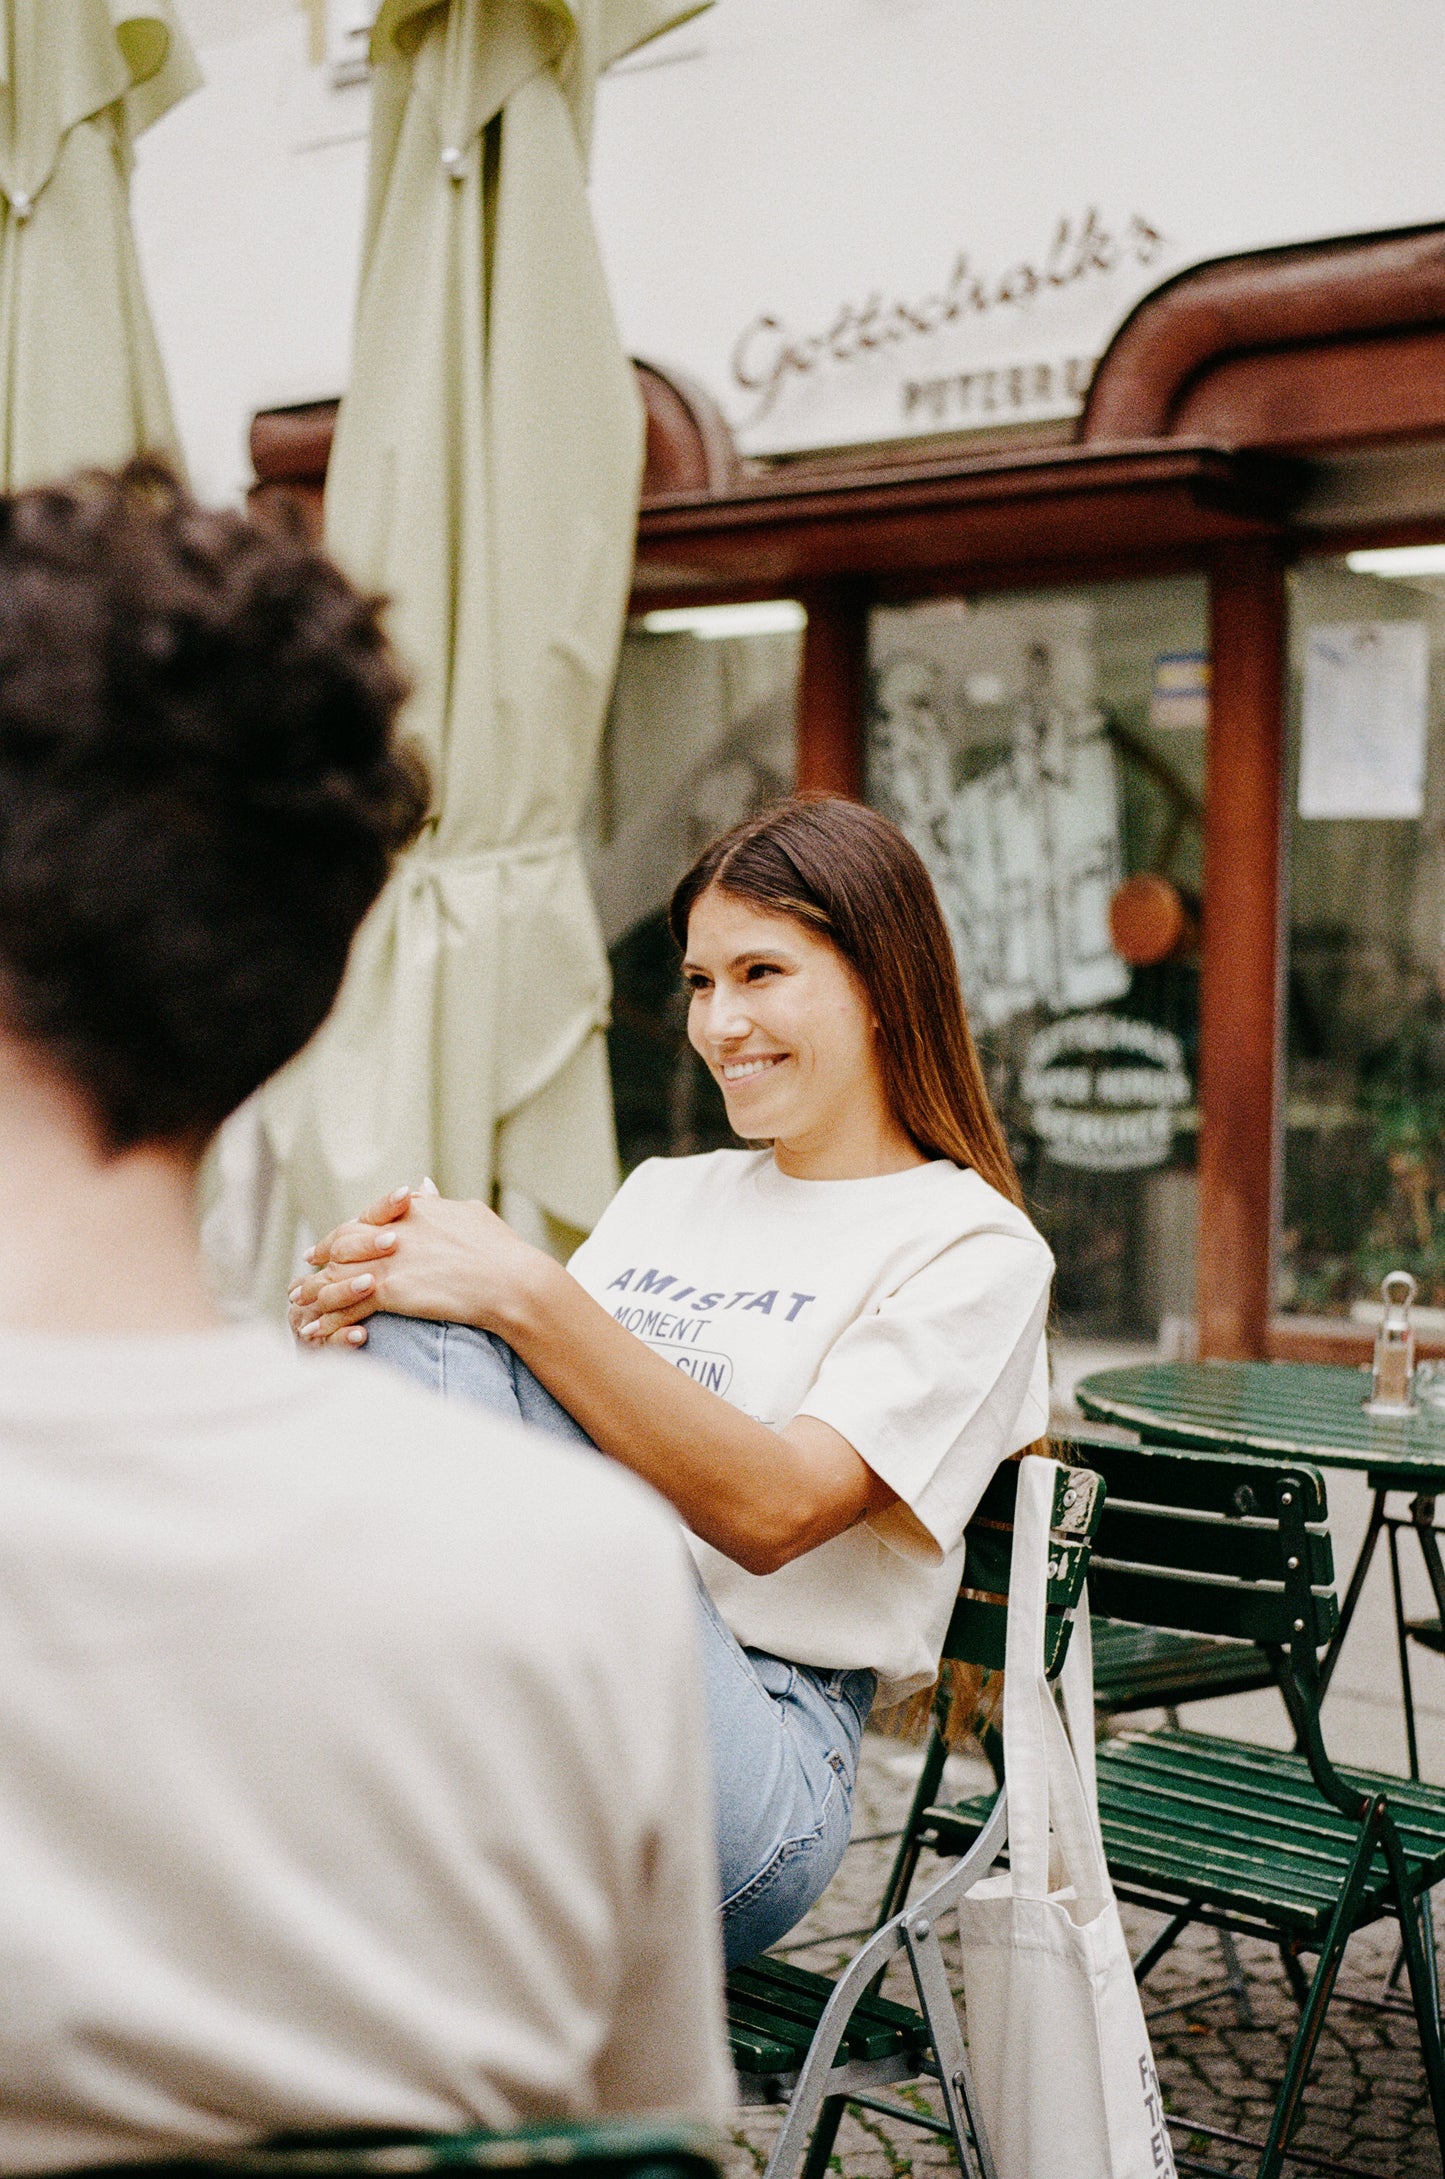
(1059, 2050)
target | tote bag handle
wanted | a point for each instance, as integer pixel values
(1045, 1789)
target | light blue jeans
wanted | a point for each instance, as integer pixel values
(785, 1737)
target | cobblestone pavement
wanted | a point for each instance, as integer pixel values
(1367, 2107)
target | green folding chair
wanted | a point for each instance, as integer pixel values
(1248, 1839)
(603, 2149)
(1135, 1668)
(817, 2044)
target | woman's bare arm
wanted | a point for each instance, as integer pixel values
(761, 1496)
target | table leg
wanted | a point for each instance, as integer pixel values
(1402, 1644)
(1357, 1583)
(1422, 1517)
(1422, 1520)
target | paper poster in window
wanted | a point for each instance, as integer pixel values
(1366, 711)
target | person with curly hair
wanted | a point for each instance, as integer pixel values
(353, 1771)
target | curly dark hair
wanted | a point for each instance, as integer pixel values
(201, 792)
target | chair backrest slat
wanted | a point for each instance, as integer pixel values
(1234, 1485)
(1208, 1543)
(978, 1627)
(1204, 1604)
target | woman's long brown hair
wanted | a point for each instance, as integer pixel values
(848, 874)
(851, 876)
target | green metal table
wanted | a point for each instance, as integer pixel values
(1304, 1411)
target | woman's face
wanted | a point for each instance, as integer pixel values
(785, 1028)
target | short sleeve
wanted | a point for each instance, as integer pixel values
(942, 1381)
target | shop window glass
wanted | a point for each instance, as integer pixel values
(1364, 1159)
(701, 733)
(1043, 750)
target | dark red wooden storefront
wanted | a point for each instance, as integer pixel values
(1248, 412)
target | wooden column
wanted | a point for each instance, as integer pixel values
(833, 694)
(1240, 1025)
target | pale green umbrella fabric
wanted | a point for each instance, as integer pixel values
(80, 376)
(484, 476)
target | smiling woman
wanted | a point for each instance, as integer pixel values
(818, 1350)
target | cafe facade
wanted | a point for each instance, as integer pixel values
(1056, 548)
(1081, 673)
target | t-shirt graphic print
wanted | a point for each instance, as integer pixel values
(673, 1329)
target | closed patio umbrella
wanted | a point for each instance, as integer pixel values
(484, 476)
(80, 376)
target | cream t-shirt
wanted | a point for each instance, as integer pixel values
(352, 1763)
(907, 1311)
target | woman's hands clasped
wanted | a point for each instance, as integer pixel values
(415, 1254)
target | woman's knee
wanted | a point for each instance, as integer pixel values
(410, 1344)
(453, 1359)
(463, 1363)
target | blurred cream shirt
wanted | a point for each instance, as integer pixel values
(906, 1310)
(352, 1765)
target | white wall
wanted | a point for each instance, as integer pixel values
(792, 159)
(248, 204)
(788, 160)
